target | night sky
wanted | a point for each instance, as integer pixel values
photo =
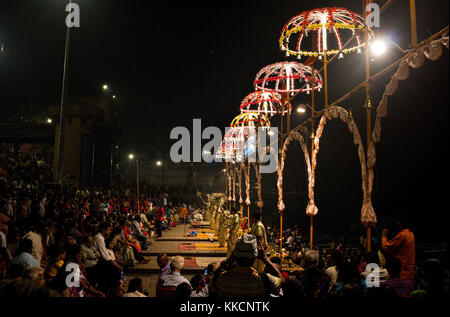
(170, 62)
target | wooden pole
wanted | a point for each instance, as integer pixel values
(311, 227)
(281, 230)
(412, 10)
(248, 206)
(311, 231)
(368, 105)
(325, 70)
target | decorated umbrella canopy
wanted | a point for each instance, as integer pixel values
(241, 128)
(321, 21)
(264, 102)
(251, 120)
(286, 77)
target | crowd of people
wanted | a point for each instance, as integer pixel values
(336, 272)
(47, 234)
(44, 232)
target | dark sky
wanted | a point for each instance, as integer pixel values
(172, 61)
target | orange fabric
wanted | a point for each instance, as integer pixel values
(402, 247)
(183, 212)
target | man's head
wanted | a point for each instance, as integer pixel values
(70, 240)
(35, 274)
(177, 263)
(135, 285)
(311, 258)
(246, 250)
(105, 229)
(162, 260)
(88, 241)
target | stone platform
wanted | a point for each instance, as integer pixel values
(200, 250)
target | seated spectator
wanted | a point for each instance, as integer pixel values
(293, 289)
(56, 257)
(174, 278)
(32, 234)
(336, 262)
(35, 274)
(91, 252)
(199, 290)
(183, 291)
(24, 259)
(135, 288)
(164, 265)
(349, 280)
(243, 280)
(24, 288)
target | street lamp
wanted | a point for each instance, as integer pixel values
(114, 97)
(301, 109)
(105, 87)
(131, 157)
(161, 163)
(49, 120)
(380, 45)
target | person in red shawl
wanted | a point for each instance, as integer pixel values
(137, 250)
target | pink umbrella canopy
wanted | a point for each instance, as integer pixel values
(340, 22)
(286, 77)
(264, 102)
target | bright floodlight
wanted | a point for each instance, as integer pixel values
(159, 163)
(105, 87)
(131, 156)
(378, 47)
(49, 120)
(301, 109)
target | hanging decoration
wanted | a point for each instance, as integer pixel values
(415, 60)
(286, 77)
(241, 166)
(263, 102)
(297, 136)
(368, 216)
(340, 22)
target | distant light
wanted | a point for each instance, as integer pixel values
(117, 146)
(301, 109)
(105, 87)
(158, 163)
(131, 156)
(224, 170)
(114, 96)
(49, 120)
(378, 47)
